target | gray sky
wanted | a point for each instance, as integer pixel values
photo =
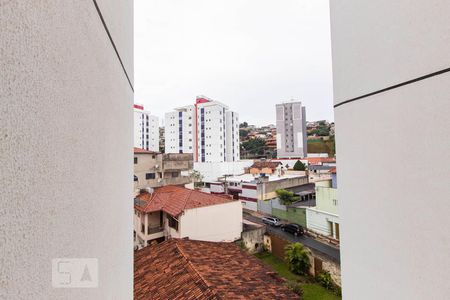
(248, 54)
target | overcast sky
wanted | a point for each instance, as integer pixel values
(248, 54)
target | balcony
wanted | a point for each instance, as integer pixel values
(152, 230)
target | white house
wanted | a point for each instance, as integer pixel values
(177, 212)
(324, 217)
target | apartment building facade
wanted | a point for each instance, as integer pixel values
(291, 130)
(153, 169)
(391, 75)
(146, 129)
(207, 129)
(66, 94)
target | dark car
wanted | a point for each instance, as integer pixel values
(293, 228)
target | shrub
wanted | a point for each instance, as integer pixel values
(295, 287)
(299, 166)
(297, 258)
(325, 280)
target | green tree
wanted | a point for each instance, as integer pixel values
(286, 197)
(254, 147)
(297, 257)
(196, 177)
(243, 125)
(243, 133)
(299, 166)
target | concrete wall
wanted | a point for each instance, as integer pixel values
(213, 170)
(326, 200)
(65, 141)
(215, 223)
(394, 224)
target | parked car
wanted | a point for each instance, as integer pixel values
(272, 221)
(295, 229)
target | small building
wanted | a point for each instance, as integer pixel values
(323, 219)
(249, 188)
(186, 269)
(153, 169)
(177, 212)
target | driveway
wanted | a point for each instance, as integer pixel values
(324, 249)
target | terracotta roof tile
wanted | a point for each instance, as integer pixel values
(174, 200)
(265, 164)
(186, 269)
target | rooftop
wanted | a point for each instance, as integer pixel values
(173, 200)
(143, 151)
(266, 164)
(186, 269)
(250, 178)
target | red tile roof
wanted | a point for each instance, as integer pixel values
(140, 151)
(186, 269)
(174, 200)
(333, 170)
(318, 160)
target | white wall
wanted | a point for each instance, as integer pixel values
(394, 229)
(215, 223)
(317, 221)
(66, 134)
(213, 170)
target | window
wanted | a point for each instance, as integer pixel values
(175, 174)
(173, 223)
(142, 228)
(335, 202)
(150, 176)
(135, 178)
(135, 160)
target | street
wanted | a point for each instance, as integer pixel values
(324, 249)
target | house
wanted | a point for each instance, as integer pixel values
(323, 219)
(249, 188)
(177, 212)
(187, 269)
(153, 169)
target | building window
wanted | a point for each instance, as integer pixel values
(135, 160)
(335, 202)
(175, 174)
(142, 228)
(135, 178)
(173, 223)
(150, 176)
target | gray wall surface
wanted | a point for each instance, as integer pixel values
(394, 244)
(65, 145)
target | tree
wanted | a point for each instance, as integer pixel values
(286, 197)
(299, 166)
(243, 133)
(243, 125)
(254, 146)
(196, 176)
(297, 257)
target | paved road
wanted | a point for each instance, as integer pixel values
(324, 249)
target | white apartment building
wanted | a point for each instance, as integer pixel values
(391, 76)
(146, 129)
(208, 129)
(291, 130)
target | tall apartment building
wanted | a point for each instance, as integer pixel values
(291, 130)
(391, 89)
(146, 129)
(208, 129)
